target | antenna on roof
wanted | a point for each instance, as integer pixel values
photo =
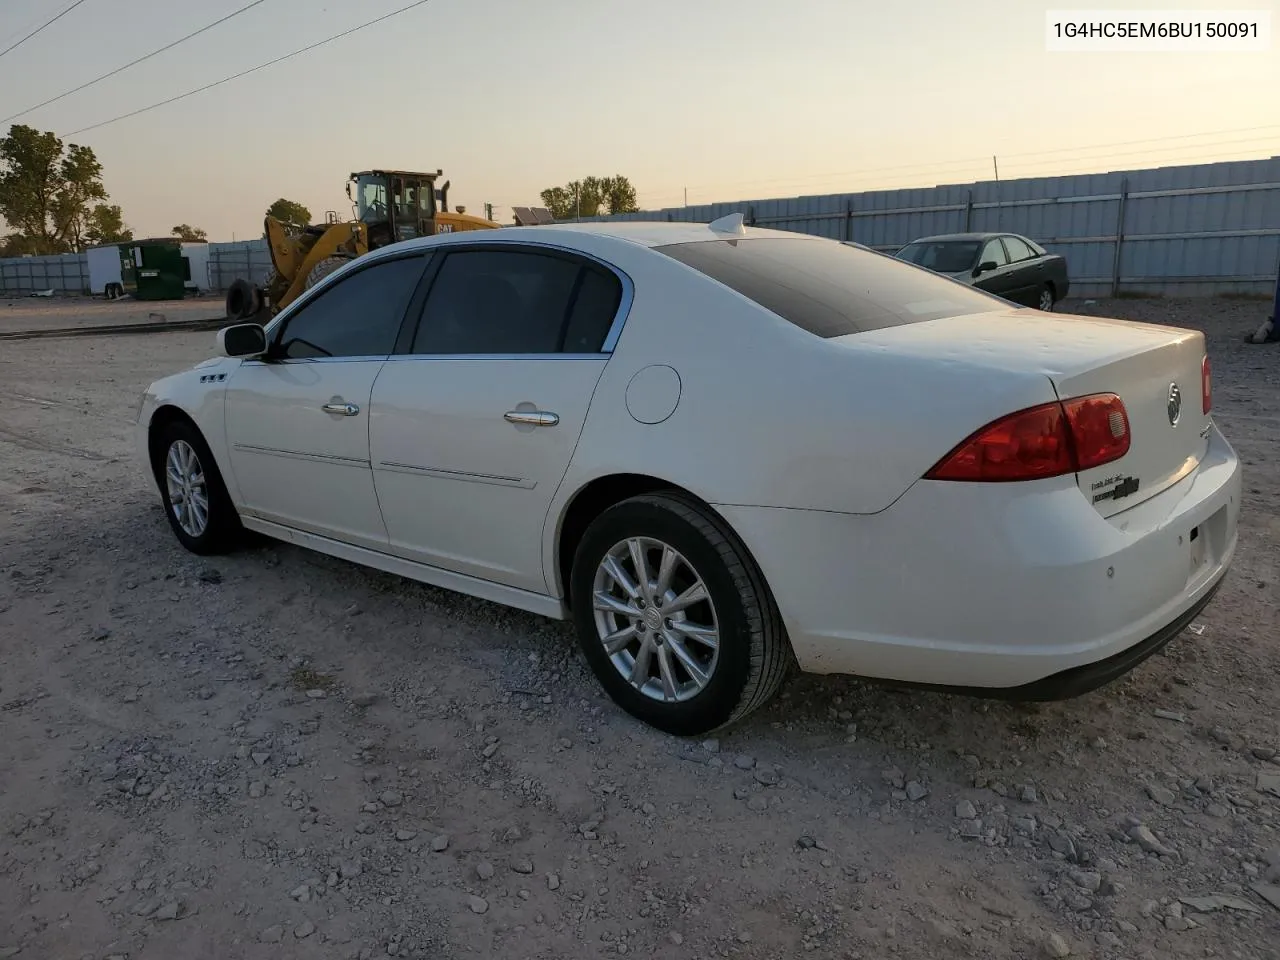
(731, 223)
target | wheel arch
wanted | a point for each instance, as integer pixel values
(163, 416)
(601, 493)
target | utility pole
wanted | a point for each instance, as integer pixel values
(488, 211)
(686, 196)
(577, 200)
(995, 164)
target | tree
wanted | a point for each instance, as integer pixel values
(290, 213)
(106, 225)
(49, 193)
(559, 201)
(189, 234)
(619, 194)
(590, 196)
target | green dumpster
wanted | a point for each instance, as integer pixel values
(161, 270)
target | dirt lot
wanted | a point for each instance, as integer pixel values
(275, 754)
(39, 313)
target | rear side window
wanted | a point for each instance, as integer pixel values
(594, 307)
(516, 302)
(827, 288)
(1018, 250)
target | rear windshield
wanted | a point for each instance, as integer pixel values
(830, 289)
(945, 256)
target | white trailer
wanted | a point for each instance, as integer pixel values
(107, 271)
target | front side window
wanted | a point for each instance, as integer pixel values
(371, 199)
(516, 302)
(944, 256)
(357, 316)
(830, 289)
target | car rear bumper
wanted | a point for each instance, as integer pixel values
(1025, 592)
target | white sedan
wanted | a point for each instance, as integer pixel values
(723, 452)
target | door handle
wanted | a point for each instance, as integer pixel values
(342, 409)
(538, 418)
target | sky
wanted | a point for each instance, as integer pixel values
(727, 99)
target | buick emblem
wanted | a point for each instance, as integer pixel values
(1175, 404)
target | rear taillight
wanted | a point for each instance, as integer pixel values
(1099, 429)
(1045, 441)
(1206, 386)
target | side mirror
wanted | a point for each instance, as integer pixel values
(984, 266)
(243, 340)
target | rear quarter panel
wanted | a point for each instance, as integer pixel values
(1056, 268)
(770, 415)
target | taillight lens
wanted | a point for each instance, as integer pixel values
(1099, 429)
(1206, 386)
(1045, 441)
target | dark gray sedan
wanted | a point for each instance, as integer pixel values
(1005, 264)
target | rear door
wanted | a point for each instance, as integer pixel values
(999, 280)
(474, 425)
(1026, 272)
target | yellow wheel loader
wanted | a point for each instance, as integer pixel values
(390, 206)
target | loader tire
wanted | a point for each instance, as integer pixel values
(243, 300)
(323, 269)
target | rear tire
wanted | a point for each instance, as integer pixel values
(1047, 298)
(196, 501)
(683, 684)
(323, 269)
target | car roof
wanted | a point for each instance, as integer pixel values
(964, 236)
(645, 233)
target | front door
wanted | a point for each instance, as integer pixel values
(298, 420)
(473, 429)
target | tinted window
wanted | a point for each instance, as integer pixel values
(945, 256)
(359, 316)
(828, 288)
(1017, 249)
(993, 252)
(594, 307)
(500, 301)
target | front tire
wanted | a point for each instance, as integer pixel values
(196, 502)
(674, 617)
(323, 269)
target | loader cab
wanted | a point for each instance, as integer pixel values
(394, 205)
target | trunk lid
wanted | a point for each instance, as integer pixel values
(1168, 428)
(1140, 362)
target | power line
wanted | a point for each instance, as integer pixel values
(47, 23)
(245, 73)
(860, 184)
(134, 63)
(978, 160)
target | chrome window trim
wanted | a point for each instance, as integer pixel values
(426, 250)
(497, 356)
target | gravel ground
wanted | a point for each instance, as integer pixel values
(276, 754)
(38, 313)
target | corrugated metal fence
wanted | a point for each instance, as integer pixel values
(69, 273)
(1192, 230)
(249, 260)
